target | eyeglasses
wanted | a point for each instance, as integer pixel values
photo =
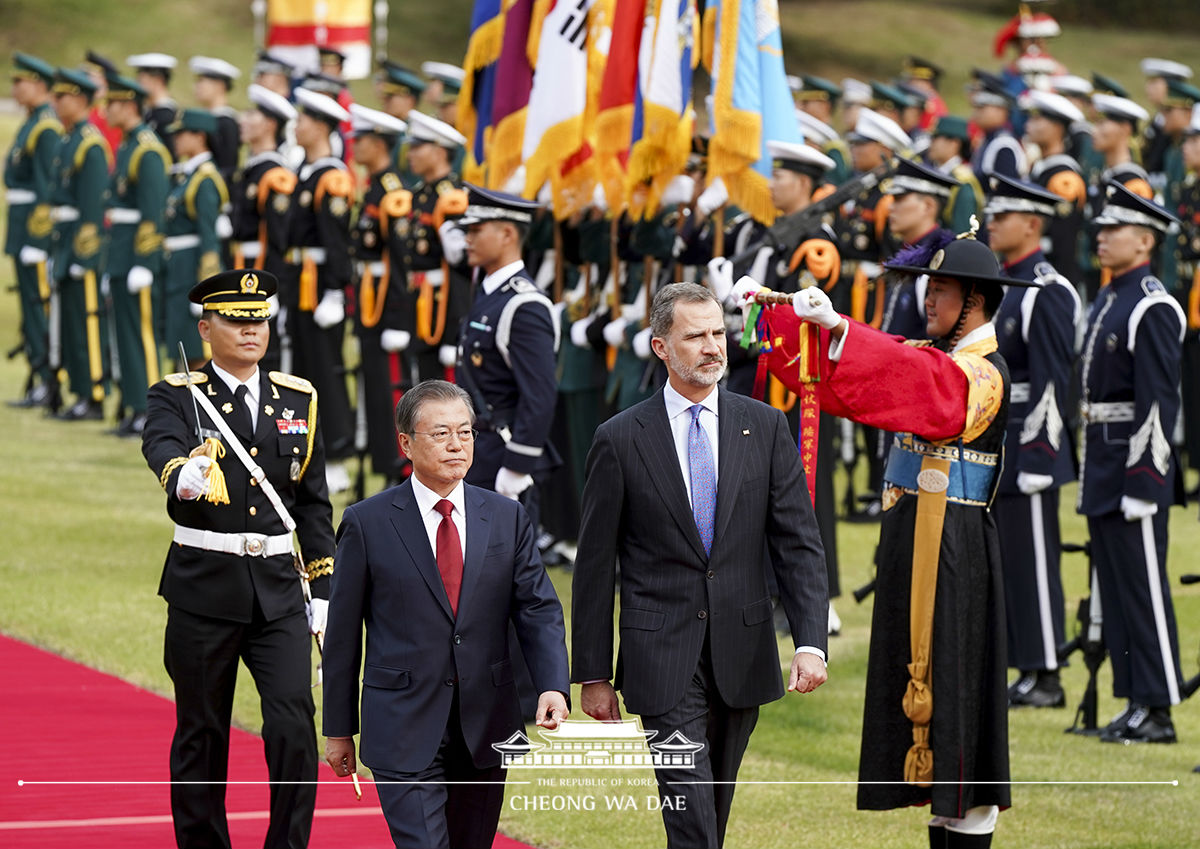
(441, 437)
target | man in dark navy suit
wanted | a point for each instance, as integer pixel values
(436, 569)
(697, 492)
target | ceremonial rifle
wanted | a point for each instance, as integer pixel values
(1090, 641)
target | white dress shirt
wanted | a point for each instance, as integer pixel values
(680, 416)
(500, 276)
(251, 394)
(427, 500)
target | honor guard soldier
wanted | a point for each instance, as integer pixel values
(950, 152)
(30, 180)
(507, 350)
(1157, 137)
(386, 310)
(231, 579)
(262, 190)
(1048, 122)
(82, 170)
(214, 79)
(318, 273)
(1188, 253)
(924, 76)
(1127, 480)
(1113, 134)
(825, 138)
(1079, 92)
(863, 238)
(817, 96)
(192, 227)
(1181, 101)
(434, 248)
(1035, 328)
(400, 89)
(153, 73)
(998, 151)
(137, 201)
(451, 79)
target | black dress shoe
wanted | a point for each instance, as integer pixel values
(82, 410)
(1144, 725)
(1025, 680)
(1038, 690)
(132, 427)
(35, 397)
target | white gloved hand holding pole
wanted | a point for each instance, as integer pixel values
(813, 305)
(30, 255)
(712, 198)
(331, 311)
(454, 242)
(317, 612)
(1031, 484)
(1136, 509)
(511, 484)
(394, 340)
(193, 479)
(139, 278)
(720, 277)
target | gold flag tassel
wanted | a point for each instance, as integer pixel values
(216, 492)
(1193, 314)
(91, 298)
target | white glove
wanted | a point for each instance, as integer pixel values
(1136, 509)
(331, 310)
(511, 484)
(193, 479)
(743, 289)
(394, 340)
(579, 332)
(32, 256)
(614, 332)
(814, 305)
(435, 278)
(515, 184)
(679, 190)
(196, 310)
(77, 271)
(711, 198)
(223, 226)
(447, 355)
(139, 278)
(1031, 484)
(720, 277)
(273, 306)
(317, 612)
(454, 242)
(641, 344)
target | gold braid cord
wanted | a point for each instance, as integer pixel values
(172, 464)
(319, 568)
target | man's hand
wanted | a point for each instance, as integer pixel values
(813, 305)
(317, 612)
(511, 484)
(139, 278)
(339, 754)
(193, 479)
(808, 672)
(551, 709)
(394, 340)
(599, 701)
(1136, 509)
(331, 310)
(1031, 484)
(30, 255)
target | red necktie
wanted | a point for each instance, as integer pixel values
(449, 553)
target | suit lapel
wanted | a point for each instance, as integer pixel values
(657, 450)
(733, 438)
(407, 521)
(478, 533)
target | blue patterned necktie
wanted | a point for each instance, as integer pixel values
(704, 478)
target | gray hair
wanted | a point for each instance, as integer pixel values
(409, 407)
(662, 310)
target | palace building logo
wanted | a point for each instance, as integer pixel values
(597, 745)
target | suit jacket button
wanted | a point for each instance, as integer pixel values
(703, 614)
(254, 512)
(457, 640)
(254, 451)
(254, 482)
(710, 574)
(449, 682)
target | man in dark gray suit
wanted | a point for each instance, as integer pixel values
(696, 492)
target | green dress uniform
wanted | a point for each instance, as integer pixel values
(137, 202)
(77, 243)
(193, 248)
(29, 176)
(965, 200)
(1187, 254)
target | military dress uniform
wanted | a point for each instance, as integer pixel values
(1035, 329)
(192, 245)
(1188, 254)
(230, 579)
(1129, 376)
(29, 178)
(81, 165)
(1061, 175)
(137, 202)
(161, 115)
(998, 151)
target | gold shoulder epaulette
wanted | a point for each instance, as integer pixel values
(290, 381)
(181, 379)
(391, 182)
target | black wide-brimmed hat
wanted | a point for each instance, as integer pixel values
(966, 260)
(239, 295)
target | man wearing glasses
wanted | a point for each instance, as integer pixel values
(436, 569)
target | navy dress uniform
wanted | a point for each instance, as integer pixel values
(318, 273)
(29, 180)
(1035, 328)
(999, 151)
(193, 243)
(1061, 174)
(1130, 400)
(160, 114)
(230, 578)
(507, 354)
(261, 192)
(385, 308)
(81, 166)
(1187, 250)
(227, 138)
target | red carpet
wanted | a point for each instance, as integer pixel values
(64, 722)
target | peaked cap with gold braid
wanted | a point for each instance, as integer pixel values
(239, 295)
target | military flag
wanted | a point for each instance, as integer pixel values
(617, 99)
(475, 96)
(510, 97)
